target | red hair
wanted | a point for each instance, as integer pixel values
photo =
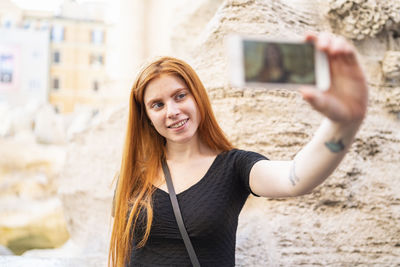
(142, 153)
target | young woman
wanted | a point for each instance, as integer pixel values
(170, 118)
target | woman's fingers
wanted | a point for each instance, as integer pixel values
(322, 41)
(330, 106)
(331, 44)
(346, 99)
(338, 46)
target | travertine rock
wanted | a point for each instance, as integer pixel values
(391, 66)
(5, 251)
(31, 224)
(25, 155)
(30, 215)
(87, 261)
(359, 19)
(86, 188)
(29, 183)
(49, 127)
(15, 120)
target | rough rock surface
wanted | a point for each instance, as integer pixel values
(5, 251)
(360, 19)
(21, 261)
(86, 183)
(30, 214)
(391, 66)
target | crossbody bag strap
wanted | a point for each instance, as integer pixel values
(178, 216)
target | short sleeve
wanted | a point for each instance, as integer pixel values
(244, 162)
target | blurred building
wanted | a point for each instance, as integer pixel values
(76, 51)
(24, 56)
(78, 56)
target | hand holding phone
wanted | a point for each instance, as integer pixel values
(346, 100)
(324, 61)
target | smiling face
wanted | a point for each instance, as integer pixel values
(172, 109)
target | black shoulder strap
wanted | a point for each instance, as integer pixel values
(178, 216)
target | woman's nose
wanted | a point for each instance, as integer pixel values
(172, 110)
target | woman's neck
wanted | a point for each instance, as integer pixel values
(187, 151)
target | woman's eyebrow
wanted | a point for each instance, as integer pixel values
(178, 90)
(152, 101)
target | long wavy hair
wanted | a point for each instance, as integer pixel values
(143, 151)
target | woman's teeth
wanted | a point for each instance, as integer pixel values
(179, 124)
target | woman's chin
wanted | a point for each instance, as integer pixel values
(182, 139)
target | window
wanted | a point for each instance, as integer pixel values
(7, 23)
(56, 84)
(95, 86)
(96, 59)
(34, 85)
(27, 24)
(97, 36)
(57, 33)
(44, 25)
(6, 68)
(56, 57)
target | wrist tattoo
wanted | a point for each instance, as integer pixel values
(335, 146)
(292, 176)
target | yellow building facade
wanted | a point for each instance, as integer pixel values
(77, 68)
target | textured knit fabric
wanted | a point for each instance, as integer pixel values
(210, 211)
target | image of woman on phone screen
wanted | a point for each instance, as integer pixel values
(171, 127)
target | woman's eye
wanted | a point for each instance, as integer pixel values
(181, 95)
(157, 105)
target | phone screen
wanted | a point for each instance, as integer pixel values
(273, 62)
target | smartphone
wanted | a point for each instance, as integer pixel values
(274, 63)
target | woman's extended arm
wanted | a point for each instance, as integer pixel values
(344, 106)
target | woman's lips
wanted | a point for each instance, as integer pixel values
(178, 124)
